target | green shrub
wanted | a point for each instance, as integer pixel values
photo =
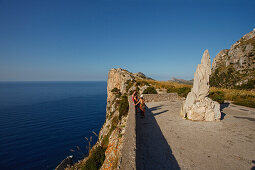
(115, 121)
(183, 91)
(150, 90)
(217, 96)
(123, 107)
(96, 159)
(171, 89)
(142, 83)
(105, 141)
(116, 91)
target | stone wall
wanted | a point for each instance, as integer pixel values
(128, 152)
(160, 97)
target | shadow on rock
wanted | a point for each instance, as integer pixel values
(152, 149)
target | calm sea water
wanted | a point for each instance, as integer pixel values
(40, 122)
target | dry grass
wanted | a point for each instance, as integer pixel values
(240, 97)
(162, 84)
(231, 94)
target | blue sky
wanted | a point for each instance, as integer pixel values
(83, 39)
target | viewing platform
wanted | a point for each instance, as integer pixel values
(163, 140)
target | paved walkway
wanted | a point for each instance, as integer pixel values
(165, 141)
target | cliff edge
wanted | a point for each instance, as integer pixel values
(106, 153)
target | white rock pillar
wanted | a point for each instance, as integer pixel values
(198, 106)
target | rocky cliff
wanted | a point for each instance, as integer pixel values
(106, 153)
(235, 67)
(111, 134)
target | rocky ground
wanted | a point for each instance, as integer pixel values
(166, 141)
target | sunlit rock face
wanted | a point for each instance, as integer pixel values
(235, 67)
(117, 78)
(198, 106)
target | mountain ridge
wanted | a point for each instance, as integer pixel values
(235, 67)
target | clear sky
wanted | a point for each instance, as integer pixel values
(84, 39)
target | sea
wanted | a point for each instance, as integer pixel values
(41, 123)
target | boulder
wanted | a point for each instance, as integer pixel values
(198, 106)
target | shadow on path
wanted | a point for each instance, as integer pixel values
(248, 118)
(222, 106)
(155, 108)
(155, 114)
(152, 149)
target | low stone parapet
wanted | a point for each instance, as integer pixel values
(128, 152)
(160, 97)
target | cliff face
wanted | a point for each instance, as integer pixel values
(117, 78)
(235, 67)
(106, 153)
(118, 85)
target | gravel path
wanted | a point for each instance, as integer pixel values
(166, 141)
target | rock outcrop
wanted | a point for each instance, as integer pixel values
(118, 85)
(140, 75)
(118, 78)
(235, 67)
(197, 105)
(108, 148)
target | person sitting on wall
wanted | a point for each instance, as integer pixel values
(142, 106)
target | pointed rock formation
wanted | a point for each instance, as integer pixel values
(197, 105)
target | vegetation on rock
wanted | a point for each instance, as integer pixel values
(226, 77)
(115, 121)
(235, 68)
(150, 90)
(96, 159)
(217, 96)
(129, 84)
(183, 91)
(116, 91)
(249, 85)
(123, 107)
(141, 82)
